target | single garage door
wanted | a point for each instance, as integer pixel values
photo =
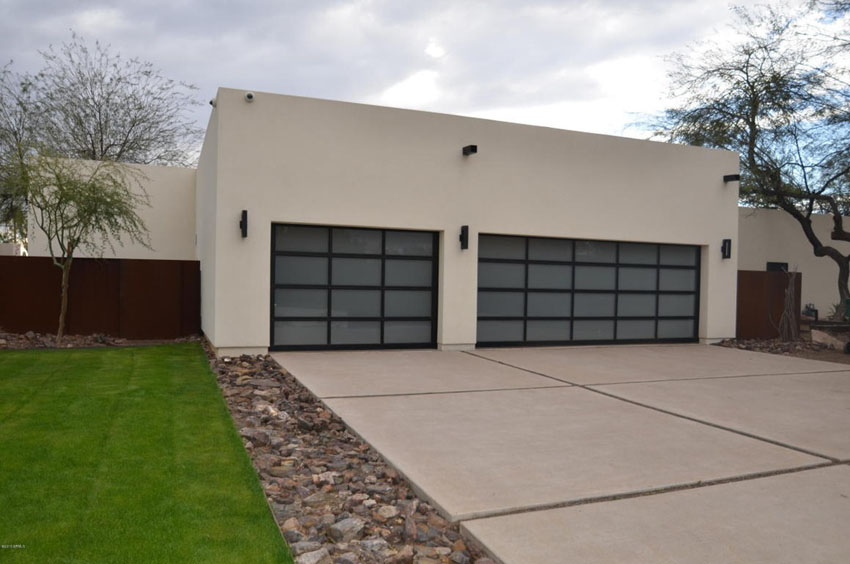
(338, 287)
(560, 291)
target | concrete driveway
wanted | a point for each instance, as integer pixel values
(662, 453)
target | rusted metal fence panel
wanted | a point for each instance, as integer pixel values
(133, 299)
(761, 300)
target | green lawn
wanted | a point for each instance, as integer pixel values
(125, 455)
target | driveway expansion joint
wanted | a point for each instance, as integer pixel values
(644, 493)
(700, 378)
(509, 365)
(832, 459)
(445, 392)
(591, 388)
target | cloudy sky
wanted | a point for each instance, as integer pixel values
(585, 65)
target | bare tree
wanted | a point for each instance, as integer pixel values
(779, 95)
(89, 103)
(96, 105)
(83, 206)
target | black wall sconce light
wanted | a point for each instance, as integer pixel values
(726, 248)
(469, 150)
(243, 223)
(464, 237)
(731, 178)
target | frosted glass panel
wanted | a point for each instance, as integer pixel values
(637, 278)
(355, 332)
(593, 330)
(596, 251)
(501, 304)
(407, 303)
(495, 331)
(554, 276)
(677, 280)
(675, 328)
(301, 238)
(356, 272)
(491, 246)
(498, 275)
(548, 330)
(638, 253)
(397, 332)
(410, 243)
(636, 305)
(407, 272)
(355, 303)
(596, 277)
(594, 305)
(637, 329)
(300, 303)
(550, 249)
(549, 305)
(301, 270)
(674, 254)
(676, 305)
(300, 333)
(360, 241)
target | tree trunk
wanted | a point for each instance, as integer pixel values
(63, 308)
(843, 291)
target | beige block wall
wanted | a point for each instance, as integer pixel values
(170, 219)
(12, 250)
(301, 160)
(774, 236)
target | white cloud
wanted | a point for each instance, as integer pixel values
(434, 49)
(565, 63)
(416, 91)
(99, 21)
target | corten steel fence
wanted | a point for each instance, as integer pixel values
(761, 300)
(133, 299)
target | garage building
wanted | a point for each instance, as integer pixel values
(325, 224)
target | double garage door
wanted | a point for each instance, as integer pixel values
(335, 287)
(556, 291)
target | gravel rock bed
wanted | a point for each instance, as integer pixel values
(775, 346)
(335, 499)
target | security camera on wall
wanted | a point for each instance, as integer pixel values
(249, 96)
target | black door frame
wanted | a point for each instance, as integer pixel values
(383, 256)
(572, 291)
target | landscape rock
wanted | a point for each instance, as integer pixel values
(347, 558)
(346, 529)
(336, 499)
(304, 546)
(776, 346)
(825, 338)
(321, 556)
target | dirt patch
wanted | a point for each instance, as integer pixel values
(32, 340)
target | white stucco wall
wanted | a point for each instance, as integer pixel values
(205, 221)
(170, 219)
(774, 236)
(301, 160)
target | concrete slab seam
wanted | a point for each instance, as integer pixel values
(699, 484)
(407, 394)
(715, 425)
(713, 378)
(590, 388)
(509, 365)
